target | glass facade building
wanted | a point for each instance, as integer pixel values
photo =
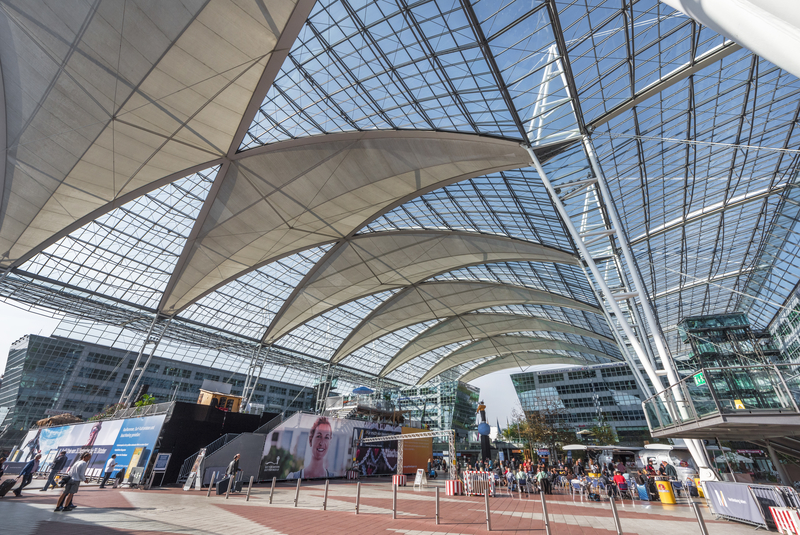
(441, 405)
(51, 375)
(581, 396)
(724, 340)
(785, 330)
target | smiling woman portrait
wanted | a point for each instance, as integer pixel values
(319, 439)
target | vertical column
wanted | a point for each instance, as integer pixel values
(773, 455)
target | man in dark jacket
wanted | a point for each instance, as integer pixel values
(58, 465)
(26, 474)
(667, 469)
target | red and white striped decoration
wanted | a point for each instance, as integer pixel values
(478, 483)
(453, 487)
(352, 474)
(399, 480)
(786, 520)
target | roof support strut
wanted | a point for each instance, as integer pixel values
(599, 280)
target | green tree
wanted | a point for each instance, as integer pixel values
(603, 433)
(543, 427)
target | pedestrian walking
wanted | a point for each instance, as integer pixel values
(233, 466)
(110, 464)
(76, 474)
(58, 465)
(26, 474)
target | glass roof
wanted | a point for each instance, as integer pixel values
(695, 135)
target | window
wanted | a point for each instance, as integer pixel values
(199, 376)
(277, 390)
(177, 372)
(622, 385)
(550, 378)
(94, 373)
(581, 374)
(105, 360)
(617, 371)
(80, 388)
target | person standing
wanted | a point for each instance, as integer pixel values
(77, 474)
(110, 464)
(26, 474)
(58, 465)
(667, 469)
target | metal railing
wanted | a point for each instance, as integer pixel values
(147, 410)
(713, 392)
(269, 426)
(186, 468)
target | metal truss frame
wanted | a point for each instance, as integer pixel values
(449, 434)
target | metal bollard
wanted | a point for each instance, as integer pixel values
(358, 495)
(437, 506)
(699, 515)
(544, 513)
(297, 492)
(394, 502)
(249, 487)
(230, 484)
(213, 479)
(325, 498)
(272, 490)
(615, 514)
(488, 513)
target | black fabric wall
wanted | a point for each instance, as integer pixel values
(191, 427)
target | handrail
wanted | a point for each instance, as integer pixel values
(663, 410)
(186, 468)
(269, 426)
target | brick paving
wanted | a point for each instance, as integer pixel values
(171, 510)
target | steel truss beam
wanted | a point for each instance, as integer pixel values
(85, 305)
(610, 298)
(681, 73)
(449, 434)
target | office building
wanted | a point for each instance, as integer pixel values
(50, 375)
(581, 397)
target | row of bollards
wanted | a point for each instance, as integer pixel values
(612, 503)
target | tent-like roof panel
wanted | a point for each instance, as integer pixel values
(380, 261)
(109, 99)
(475, 326)
(296, 195)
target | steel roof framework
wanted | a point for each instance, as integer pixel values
(695, 135)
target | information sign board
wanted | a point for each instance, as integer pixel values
(420, 479)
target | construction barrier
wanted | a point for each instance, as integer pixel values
(786, 520)
(478, 483)
(399, 480)
(453, 487)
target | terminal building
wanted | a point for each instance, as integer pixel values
(306, 195)
(47, 376)
(580, 398)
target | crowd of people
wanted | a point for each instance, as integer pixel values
(528, 476)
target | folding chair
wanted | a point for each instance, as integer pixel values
(577, 488)
(677, 488)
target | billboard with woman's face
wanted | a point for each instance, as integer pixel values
(308, 446)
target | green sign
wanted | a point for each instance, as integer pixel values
(699, 379)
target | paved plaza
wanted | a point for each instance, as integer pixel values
(139, 512)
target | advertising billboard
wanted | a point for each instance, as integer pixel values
(101, 439)
(416, 452)
(315, 447)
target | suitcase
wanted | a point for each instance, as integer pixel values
(6, 486)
